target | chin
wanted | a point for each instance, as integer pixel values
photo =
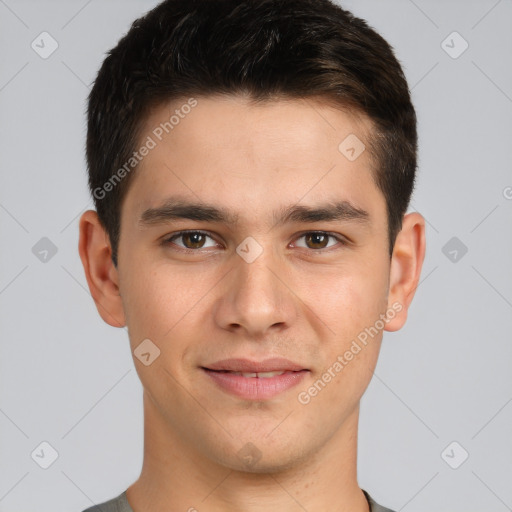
(263, 455)
(277, 464)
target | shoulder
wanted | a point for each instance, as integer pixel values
(117, 504)
(374, 506)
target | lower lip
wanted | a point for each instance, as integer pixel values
(255, 388)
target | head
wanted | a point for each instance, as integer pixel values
(248, 111)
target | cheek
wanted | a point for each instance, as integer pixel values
(351, 299)
(350, 354)
(351, 308)
(154, 301)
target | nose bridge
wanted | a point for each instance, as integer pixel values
(256, 298)
(259, 275)
(256, 283)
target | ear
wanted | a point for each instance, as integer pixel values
(406, 265)
(102, 276)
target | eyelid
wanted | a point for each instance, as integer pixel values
(343, 240)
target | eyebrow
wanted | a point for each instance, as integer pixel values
(175, 209)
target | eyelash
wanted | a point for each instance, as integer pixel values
(179, 234)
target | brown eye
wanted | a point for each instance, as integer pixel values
(191, 239)
(196, 240)
(317, 240)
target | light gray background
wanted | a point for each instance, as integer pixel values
(68, 379)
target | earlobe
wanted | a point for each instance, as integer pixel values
(100, 272)
(406, 265)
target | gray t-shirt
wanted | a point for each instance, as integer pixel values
(120, 504)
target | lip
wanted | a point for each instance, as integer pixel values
(247, 366)
(255, 388)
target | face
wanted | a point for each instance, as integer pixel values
(281, 265)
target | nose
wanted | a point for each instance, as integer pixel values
(255, 297)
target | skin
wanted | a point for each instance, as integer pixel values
(301, 299)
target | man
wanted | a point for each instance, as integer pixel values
(251, 163)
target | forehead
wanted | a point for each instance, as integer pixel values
(252, 157)
(299, 124)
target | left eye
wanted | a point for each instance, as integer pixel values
(319, 238)
(196, 239)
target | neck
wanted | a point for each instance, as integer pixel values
(177, 476)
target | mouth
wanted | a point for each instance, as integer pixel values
(276, 364)
(259, 375)
(253, 380)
